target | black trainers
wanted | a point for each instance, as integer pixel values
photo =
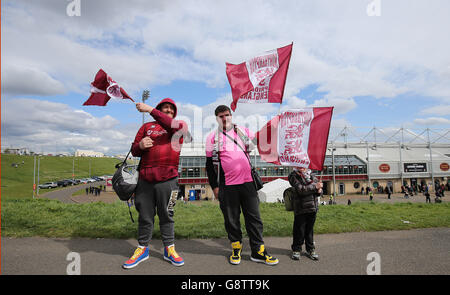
(263, 257)
(312, 255)
(235, 257)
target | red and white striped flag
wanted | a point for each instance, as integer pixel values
(260, 79)
(103, 88)
(296, 138)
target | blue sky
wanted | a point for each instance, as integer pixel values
(389, 71)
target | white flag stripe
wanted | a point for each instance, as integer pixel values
(293, 137)
(262, 66)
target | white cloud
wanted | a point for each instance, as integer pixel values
(341, 105)
(335, 44)
(48, 126)
(432, 121)
(22, 79)
(441, 110)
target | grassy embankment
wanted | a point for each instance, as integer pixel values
(17, 183)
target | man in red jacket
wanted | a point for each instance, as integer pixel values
(158, 143)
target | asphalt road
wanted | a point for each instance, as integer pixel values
(64, 195)
(409, 252)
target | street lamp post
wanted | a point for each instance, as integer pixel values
(368, 164)
(145, 96)
(39, 162)
(34, 177)
(431, 160)
(334, 172)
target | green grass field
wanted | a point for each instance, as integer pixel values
(18, 182)
(49, 218)
(23, 216)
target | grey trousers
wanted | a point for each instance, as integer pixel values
(152, 198)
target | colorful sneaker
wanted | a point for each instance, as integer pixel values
(312, 255)
(235, 257)
(140, 254)
(263, 256)
(172, 256)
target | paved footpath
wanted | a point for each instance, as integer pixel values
(408, 252)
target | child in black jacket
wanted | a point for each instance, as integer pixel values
(307, 188)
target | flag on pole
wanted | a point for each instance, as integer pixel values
(296, 138)
(260, 79)
(103, 88)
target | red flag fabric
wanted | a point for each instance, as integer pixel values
(103, 88)
(296, 138)
(260, 79)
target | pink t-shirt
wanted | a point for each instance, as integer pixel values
(232, 159)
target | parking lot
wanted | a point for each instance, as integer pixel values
(69, 182)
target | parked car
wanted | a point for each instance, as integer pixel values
(48, 185)
(64, 182)
(71, 182)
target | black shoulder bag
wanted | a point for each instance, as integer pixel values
(125, 180)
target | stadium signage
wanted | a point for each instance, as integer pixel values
(444, 166)
(415, 167)
(384, 168)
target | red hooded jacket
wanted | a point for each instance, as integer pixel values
(160, 162)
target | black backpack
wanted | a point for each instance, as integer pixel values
(288, 196)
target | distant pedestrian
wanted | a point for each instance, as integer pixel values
(406, 196)
(389, 191)
(370, 194)
(87, 190)
(438, 196)
(427, 197)
(349, 202)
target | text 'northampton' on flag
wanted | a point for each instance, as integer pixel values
(296, 138)
(260, 79)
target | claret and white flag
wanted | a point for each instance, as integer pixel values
(103, 88)
(296, 138)
(260, 79)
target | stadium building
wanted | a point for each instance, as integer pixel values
(414, 161)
